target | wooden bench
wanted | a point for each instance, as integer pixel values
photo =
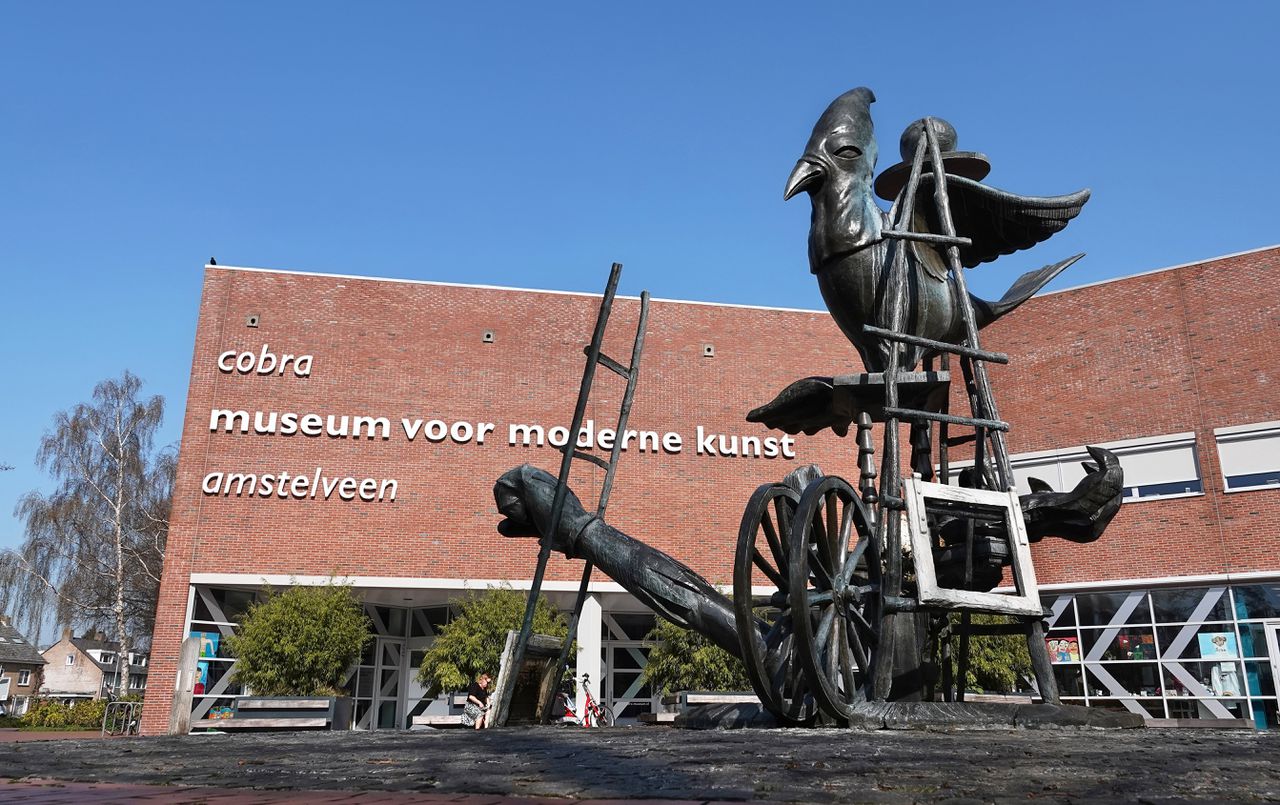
(1204, 723)
(686, 699)
(657, 718)
(696, 698)
(284, 713)
(442, 720)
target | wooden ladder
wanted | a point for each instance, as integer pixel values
(630, 373)
(991, 458)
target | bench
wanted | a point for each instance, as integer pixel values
(685, 700)
(1204, 723)
(284, 713)
(696, 698)
(657, 718)
(442, 720)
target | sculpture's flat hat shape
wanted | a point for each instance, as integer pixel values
(969, 164)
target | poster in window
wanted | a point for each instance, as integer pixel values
(1063, 649)
(202, 678)
(1224, 677)
(208, 643)
(1218, 645)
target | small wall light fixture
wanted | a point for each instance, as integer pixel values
(251, 320)
(487, 337)
(708, 351)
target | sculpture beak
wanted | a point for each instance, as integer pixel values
(806, 176)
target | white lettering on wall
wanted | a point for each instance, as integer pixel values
(264, 362)
(323, 425)
(298, 486)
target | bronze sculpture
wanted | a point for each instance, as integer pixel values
(846, 623)
(525, 497)
(850, 255)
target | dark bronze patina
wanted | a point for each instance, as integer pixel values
(850, 255)
(847, 623)
(525, 497)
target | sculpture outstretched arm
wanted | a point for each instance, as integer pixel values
(525, 495)
(1082, 514)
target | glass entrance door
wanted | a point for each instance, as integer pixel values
(388, 698)
(1266, 713)
(627, 692)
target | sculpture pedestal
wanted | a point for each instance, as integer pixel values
(926, 716)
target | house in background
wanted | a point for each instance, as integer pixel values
(88, 668)
(21, 670)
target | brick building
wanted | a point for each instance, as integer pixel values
(21, 670)
(354, 426)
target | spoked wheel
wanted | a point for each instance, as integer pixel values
(835, 582)
(765, 630)
(604, 716)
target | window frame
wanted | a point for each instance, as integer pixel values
(1132, 493)
(1244, 433)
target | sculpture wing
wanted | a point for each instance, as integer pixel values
(998, 222)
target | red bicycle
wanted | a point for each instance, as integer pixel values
(594, 714)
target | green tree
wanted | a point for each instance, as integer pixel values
(473, 641)
(997, 663)
(300, 641)
(681, 659)
(94, 546)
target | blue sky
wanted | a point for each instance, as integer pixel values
(532, 144)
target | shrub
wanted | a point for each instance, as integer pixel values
(997, 663)
(46, 713)
(300, 642)
(473, 641)
(86, 714)
(53, 714)
(681, 659)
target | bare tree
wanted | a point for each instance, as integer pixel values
(94, 546)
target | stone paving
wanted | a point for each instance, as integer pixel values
(827, 765)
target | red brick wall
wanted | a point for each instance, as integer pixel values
(1178, 350)
(1186, 349)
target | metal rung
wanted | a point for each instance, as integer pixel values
(941, 346)
(594, 459)
(912, 415)
(964, 438)
(894, 503)
(926, 237)
(609, 363)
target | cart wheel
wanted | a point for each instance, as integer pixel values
(835, 578)
(764, 623)
(604, 718)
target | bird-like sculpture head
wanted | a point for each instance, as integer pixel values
(836, 171)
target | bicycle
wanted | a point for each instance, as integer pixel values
(594, 714)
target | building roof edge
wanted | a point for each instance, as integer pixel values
(591, 295)
(483, 287)
(1165, 268)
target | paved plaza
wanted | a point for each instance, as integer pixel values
(887, 766)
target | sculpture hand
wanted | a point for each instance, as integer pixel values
(525, 496)
(810, 405)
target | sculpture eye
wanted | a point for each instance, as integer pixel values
(848, 152)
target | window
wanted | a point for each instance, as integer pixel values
(1154, 467)
(1250, 455)
(1159, 467)
(24, 678)
(71, 659)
